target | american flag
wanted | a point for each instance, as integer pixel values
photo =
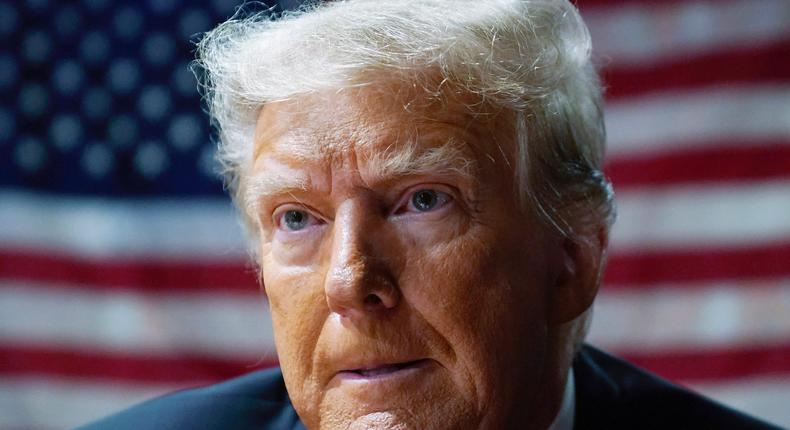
(123, 273)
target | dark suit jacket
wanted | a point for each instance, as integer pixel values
(610, 394)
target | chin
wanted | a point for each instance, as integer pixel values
(398, 418)
(416, 397)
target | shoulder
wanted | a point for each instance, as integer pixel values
(615, 394)
(256, 400)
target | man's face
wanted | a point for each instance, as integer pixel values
(407, 287)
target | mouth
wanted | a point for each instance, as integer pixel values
(384, 370)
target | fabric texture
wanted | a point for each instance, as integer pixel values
(610, 394)
(613, 394)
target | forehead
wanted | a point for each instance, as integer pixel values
(391, 118)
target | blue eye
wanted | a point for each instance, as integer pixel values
(294, 220)
(427, 200)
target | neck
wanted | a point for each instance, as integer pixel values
(555, 382)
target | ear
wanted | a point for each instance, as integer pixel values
(579, 277)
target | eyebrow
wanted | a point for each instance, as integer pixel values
(410, 160)
(268, 184)
(396, 161)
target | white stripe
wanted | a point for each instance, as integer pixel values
(672, 121)
(700, 216)
(46, 403)
(132, 323)
(197, 228)
(765, 397)
(726, 313)
(723, 214)
(641, 34)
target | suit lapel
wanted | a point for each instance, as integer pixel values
(598, 396)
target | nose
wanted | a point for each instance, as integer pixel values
(358, 283)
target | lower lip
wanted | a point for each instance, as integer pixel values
(382, 373)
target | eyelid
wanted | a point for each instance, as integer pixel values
(280, 211)
(406, 196)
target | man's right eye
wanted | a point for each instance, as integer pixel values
(295, 220)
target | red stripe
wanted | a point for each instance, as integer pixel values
(735, 161)
(39, 360)
(708, 364)
(143, 275)
(762, 63)
(625, 270)
(637, 269)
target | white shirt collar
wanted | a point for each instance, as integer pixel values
(564, 418)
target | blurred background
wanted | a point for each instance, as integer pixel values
(122, 266)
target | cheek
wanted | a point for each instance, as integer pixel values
(486, 301)
(416, 234)
(292, 289)
(295, 338)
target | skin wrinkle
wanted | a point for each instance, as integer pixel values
(265, 186)
(359, 76)
(346, 45)
(445, 160)
(470, 285)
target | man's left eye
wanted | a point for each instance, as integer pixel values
(427, 200)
